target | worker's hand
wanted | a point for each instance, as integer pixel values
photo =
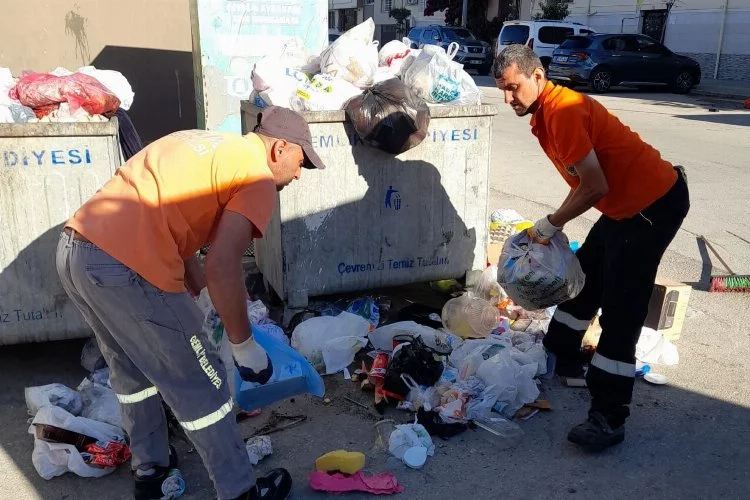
(542, 231)
(252, 361)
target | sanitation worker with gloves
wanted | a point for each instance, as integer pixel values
(643, 200)
(127, 259)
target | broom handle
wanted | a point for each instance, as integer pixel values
(703, 238)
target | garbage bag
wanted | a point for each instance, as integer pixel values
(99, 403)
(407, 436)
(114, 81)
(393, 54)
(52, 459)
(53, 395)
(436, 78)
(276, 81)
(339, 353)
(510, 382)
(353, 56)
(323, 93)
(44, 92)
(412, 357)
(382, 338)
(537, 276)
(389, 116)
(310, 337)
(654, 348)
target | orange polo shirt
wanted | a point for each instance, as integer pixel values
(165, 203)
(569, 125)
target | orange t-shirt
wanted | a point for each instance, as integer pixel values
(165, 203)
(569, 125)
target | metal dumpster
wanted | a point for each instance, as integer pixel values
(372, 219)
(47, 170)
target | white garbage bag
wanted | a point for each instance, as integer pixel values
(382, 338)
(408, 436)
(436, 78)
(339, 353)
(537, 276)
(511, 382)
(324, 93)
(393, 54)
(100, 403)
(114, 81)
(654, 348)
(55, 459)
(53, 395)
(353, 56)
(276, 81)
(311, 336)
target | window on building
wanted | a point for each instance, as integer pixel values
(386, 5)
(331, 19)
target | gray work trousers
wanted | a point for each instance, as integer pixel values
(154, 347)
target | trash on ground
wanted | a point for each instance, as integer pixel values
(407, 436)
(413, 358)
(501, 431)
(382, 434)
(53, 395)
(61, 439)
(435, 425)
(311, 336)
(442, 341)
(108, 454)
(278, 422)
(470, 317)
(537, 276)
(654, 348)
(258, 448)
(389, 116)
(655, 378)
(415, 457)
(384, 483)
(99, 403)
(348, 462)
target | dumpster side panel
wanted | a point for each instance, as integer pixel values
(372, 220)
(43, 180)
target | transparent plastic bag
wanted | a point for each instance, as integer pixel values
(470, 317)
(436, 78)
(537, 276)
(419, 396)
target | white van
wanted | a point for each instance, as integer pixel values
(542, 36)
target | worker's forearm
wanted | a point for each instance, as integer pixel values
(195, 280)
(577, 203)
(227, 292)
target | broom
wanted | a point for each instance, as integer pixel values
(732, 283)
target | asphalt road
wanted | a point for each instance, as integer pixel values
(685, 440)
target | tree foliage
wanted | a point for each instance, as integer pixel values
(553, 9)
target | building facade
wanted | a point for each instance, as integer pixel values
(714, 32)
(345, 14)
(385, 25)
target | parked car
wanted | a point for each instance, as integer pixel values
(542, 36)
(603, 61)
(472, 53)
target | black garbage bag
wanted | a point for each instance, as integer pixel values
(389, 116)
(414, 358)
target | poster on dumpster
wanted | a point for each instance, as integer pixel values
(230, 36)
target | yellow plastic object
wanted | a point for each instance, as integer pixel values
(348, 462)
(522, 226)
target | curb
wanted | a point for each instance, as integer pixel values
(719, 94)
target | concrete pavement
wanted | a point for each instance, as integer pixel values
(685, 440)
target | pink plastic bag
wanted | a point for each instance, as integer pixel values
(44, 92)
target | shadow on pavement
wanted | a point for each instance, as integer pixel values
(740, 120)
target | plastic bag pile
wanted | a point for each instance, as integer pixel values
(384, 93)
(87, 95)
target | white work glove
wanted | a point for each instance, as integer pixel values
(252, 361)
(543, 230)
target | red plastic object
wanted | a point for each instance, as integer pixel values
(44, 92)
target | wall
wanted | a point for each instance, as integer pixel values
(693, 29)
(152, 49)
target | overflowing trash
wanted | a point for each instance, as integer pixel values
(86, 95)
(258, 448)
(385, 93)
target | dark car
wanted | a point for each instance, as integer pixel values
(472, 53)
(603, 61)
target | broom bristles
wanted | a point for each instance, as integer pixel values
(736, 283)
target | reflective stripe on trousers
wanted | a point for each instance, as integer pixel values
(613, 367)
(210, 419)
(138, 396)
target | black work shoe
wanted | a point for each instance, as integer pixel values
(165, 483)
(275, 485)
(596, 433)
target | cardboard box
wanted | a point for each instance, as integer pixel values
(667, 308)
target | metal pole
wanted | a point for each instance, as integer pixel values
(464, 12)
(721, 39)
